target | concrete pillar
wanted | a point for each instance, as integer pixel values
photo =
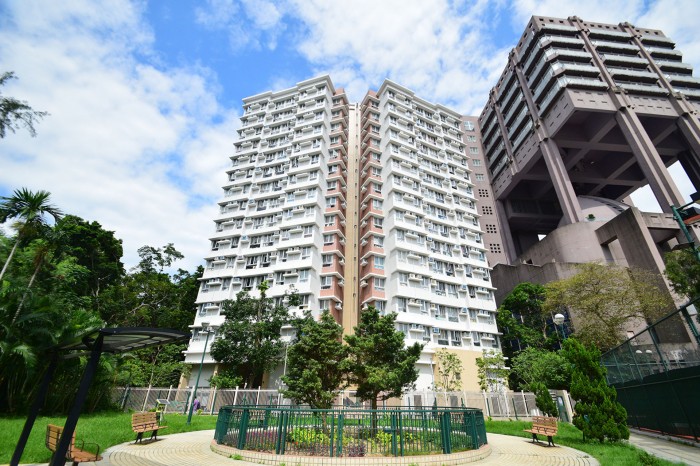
(570, 207)
(648, 158)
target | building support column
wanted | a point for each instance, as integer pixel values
(690, 129)
(649, 161)
(570, 207)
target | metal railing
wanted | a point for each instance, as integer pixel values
(351, 432)
(493, 404)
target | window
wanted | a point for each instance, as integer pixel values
(403, 278)
(471, 137)
(473, 150)
(376, 187)
(479, 176)
(331, 201)
(378, 241)
(329, 220)
(476, 162)
(469, 126)
(328, 240)
(378, 262)
(308, 231)
(398, 214)
(380, 305)
(379, 283)
(378, 222)
(333, 184)
(305, 252)
(402, 255)
(304, 275)
(400, 235)
(376, 171)
(324, 304)
(327, 260)
(326, 282)
(377, 204)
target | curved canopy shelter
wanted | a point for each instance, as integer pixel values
(94, 343)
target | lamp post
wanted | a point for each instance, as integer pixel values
(201, 364)
(559, 322)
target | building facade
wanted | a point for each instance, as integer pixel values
(586, 109)
(352, 205)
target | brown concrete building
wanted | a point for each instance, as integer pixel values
(583, 115)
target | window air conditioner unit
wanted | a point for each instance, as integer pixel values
(436, 330)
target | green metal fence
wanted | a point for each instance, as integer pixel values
(351, 432)
(657, 375)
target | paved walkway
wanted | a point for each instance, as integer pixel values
(192, 449)
(667, 449)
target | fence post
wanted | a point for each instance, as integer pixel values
(486, 404)
(145, 399)
(514, 408)
(445, 432)
(213, 400)
(394, 450)
(243, 429)
(527, 411)
(257, 398)
(339, 443)
(235, 396)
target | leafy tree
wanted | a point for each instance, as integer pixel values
(314, 373)
(543, 399)
(540, 365)
(492, 371)
(450, 371)
(158, 366)
(605, 299)
(378, 363)
(14, 113)
(150, 297)
(29, 209)
(250, 342)
(94, 248)
(226, 379)
(683, 271)
(598, 414)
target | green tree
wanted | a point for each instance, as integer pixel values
(29, 209)
(14, 113)
(540, 365)
(378, 363)
(492, 371)
(94, 248)
(449, 370)
(226, 379)
(250, 342)
(606, 298)
(598, 414)
(543, 399)
(314, 373)
(683, 272)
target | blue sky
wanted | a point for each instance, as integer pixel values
(144, 96)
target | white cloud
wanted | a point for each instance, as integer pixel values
(127, 144)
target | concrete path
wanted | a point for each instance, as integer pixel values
(664, 448)
(192, 448)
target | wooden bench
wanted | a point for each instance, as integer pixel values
(74, 454)
(542, 425)
(145, 422)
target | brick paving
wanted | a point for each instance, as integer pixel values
(193, 449)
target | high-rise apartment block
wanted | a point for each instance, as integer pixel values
(353, 205)
(582, 112)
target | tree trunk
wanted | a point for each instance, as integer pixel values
(26, 292)
(373, 407)
(9, 258)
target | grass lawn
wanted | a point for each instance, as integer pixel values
(104, 429)
(608, 454)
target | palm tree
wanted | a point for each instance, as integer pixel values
(29, 209)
